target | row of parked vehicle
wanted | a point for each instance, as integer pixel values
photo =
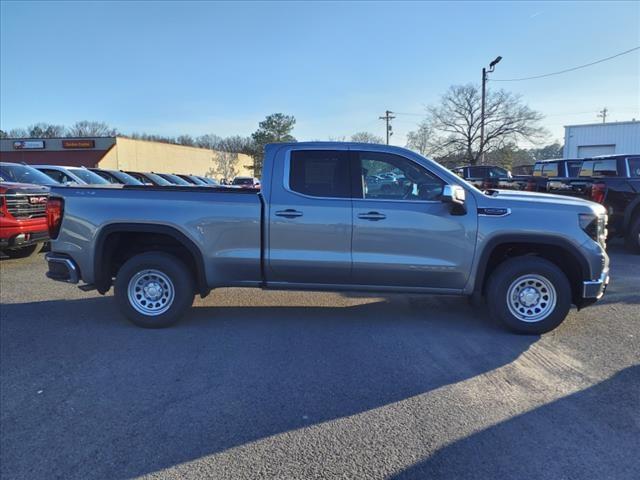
(612, 180)
(24, 191)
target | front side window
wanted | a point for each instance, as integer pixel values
(320, 173)
(392, 177)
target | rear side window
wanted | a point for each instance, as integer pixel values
(605, 168)
(320, 173)
(634, 166)
(550, 170)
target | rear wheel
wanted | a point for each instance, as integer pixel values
(529, 295)
(24, 252)
(632, 238)
(154, 289)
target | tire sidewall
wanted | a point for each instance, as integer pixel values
(631, 239)
(507, 272)
(171, 266)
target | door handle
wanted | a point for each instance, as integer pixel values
(288, 213)
(373, 216)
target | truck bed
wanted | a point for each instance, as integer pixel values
(223, 224)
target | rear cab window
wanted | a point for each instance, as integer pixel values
(573, 168)
(320, 173)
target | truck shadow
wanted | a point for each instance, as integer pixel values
(117, 401)
(533, 445)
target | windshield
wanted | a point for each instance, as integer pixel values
(175, 179)
(24, 174)
(243, 181)
(88, 176)
(126, 178)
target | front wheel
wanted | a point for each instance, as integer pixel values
(529, 295)
(154, 290)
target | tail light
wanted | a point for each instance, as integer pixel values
(55, 209)
(598, 192)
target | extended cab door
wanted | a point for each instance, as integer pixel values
(403, 234)
(309, 215)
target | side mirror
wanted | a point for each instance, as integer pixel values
(455, 195)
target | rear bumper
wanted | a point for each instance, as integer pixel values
(594, 289)
(62, 268)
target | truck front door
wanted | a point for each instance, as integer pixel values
(403, 235)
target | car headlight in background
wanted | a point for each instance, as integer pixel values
(595, 226)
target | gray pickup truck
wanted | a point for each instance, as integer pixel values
(318, 224)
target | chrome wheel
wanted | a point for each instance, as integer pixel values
(531, 298)
(151, 292)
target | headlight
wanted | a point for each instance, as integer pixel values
(595, 226)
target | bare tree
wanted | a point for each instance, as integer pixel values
(420, 139)
(225, 166)
(87, 128)
(366, 137)
(18, 133)
(45, 130)
(456, 122)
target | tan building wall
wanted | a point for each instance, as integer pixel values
(144, 156)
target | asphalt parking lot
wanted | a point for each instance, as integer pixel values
(306, 385)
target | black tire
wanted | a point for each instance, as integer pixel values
(632, 238)
(507, 273)
(24, 252)
(181, 282)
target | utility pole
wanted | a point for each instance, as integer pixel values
(492, 67)
(387, 118)
(603, 114)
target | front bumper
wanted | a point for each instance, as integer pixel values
(62, 268)
(595, 288)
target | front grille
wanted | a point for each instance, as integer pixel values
(27, 206)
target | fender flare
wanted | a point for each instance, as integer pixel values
(103, 284)
(541, 239)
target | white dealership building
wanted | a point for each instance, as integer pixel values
(590, 140)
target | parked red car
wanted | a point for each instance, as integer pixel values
(23, 218)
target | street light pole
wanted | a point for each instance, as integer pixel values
(484, 94)
(492, 67)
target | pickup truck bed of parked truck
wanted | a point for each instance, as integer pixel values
(318, 225)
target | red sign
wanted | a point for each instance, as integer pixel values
(78, 143)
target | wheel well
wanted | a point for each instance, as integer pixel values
(116, 247)
(560, 256)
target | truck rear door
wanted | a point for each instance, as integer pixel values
(309, 217)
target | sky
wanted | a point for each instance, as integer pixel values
(174, 68)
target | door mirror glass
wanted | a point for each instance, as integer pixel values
(453, 194)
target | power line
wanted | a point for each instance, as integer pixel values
(567, 70)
